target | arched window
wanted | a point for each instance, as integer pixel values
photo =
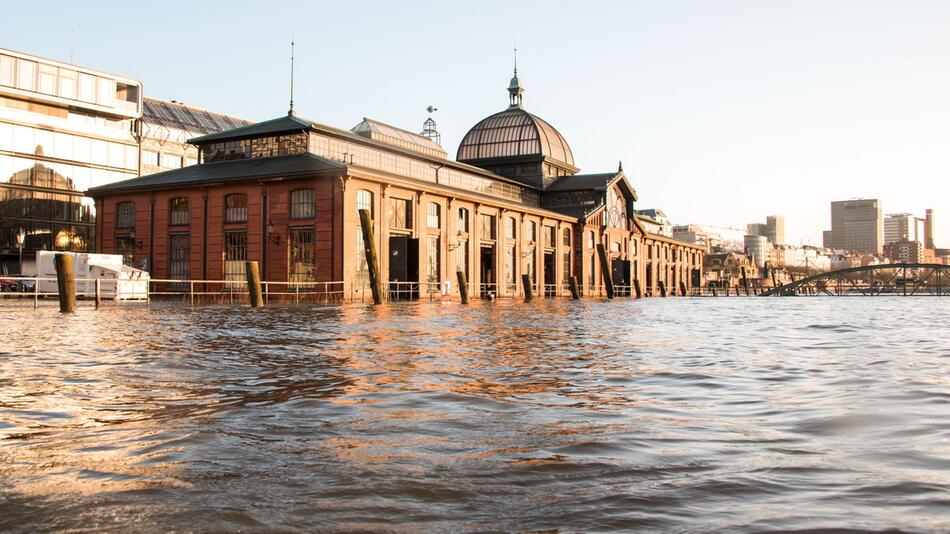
(125, 215)
(301, 204)
(364, 201)
(511, 228)
(178, 211)
(567, 237)
(463, 220)
(532, 235)
(434, 215)
(616, 210)
(235, 208)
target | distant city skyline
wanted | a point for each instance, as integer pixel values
(723, 113)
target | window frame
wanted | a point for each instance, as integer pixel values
(120, 217)
(173, 210)
(308, 205)
(229, 214)
(434, 210)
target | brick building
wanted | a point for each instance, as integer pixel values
(286, 192)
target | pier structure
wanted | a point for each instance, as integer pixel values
(288, 192)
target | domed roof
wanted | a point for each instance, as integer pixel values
(512, 133)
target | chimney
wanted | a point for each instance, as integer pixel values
(929, 229)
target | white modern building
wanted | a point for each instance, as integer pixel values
(63, 129)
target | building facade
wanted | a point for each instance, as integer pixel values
(775, 229)
(758, 249)
(63, 129)
(905, 251)
(856, 225)
(165, 128)
(287, 193)
(900, 227)
(695, 234)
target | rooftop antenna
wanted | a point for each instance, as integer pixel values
(516, 58)
(291, 111)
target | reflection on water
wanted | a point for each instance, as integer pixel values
(666, 413)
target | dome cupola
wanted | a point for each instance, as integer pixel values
(518, 144)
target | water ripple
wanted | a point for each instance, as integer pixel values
(664, 414)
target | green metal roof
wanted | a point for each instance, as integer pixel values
(287, 123)
(227, 171)
(582, 182)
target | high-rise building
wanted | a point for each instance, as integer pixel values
(856, 225)
(899, 227)
(63, 129)
(757, 248)
(756, 229)
(775, 229)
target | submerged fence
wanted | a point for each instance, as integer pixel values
(34, 290)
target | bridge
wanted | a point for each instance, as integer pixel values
(903, 279)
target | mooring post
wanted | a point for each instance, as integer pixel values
(463, 286)
(605, 270)
(572, 283)
(372, 261)
(526, 282)
(682, 288)
(745, 282)
(65, 283)
(98, 294)
(253, 284)
(636, 287)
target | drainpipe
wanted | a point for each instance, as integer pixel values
(264, 236)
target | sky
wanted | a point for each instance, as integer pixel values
(722, 112)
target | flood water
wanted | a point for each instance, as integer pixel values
(665, 414)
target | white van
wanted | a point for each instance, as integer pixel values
(117, 281)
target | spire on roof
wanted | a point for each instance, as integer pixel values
(291, 111)
(620, 166)
(515, 91)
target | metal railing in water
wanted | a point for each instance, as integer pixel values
(235, 291)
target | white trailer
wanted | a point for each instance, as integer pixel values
(116, 281)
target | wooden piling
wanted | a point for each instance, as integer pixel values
(662, 288)
(372, 261)
(526, 282)
(636, 287)
(774, 278)
(65, 282)
(254, 284)
(463, 286)
(682, 289)
(572, 283)
(605, 270)
(98, 293)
